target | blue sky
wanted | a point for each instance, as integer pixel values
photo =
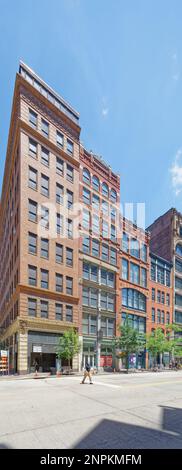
(119, 63)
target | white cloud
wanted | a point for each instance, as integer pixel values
(105, 111)
(176, 172)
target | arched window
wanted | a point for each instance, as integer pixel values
(86, 176)
(105, 190)
(95, 183)
(132, 298)
(113, 195)
(179, 249)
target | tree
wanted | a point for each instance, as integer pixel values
(175, 341)
(157, 343)
(68, 346)
(130, 341)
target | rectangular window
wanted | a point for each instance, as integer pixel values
(69, 199)
(44, 217)
(93, 298)
(32, 275)
(59, 166)
(105, 229)
(59, 193)
(86, 245)
(69, 285)
(86, 196)
(104, 326)
(153, 294)
(134, 273)
(92, 325)
(124, 269)
(162, 317)
(44, 185)
(110, 279)
(85, 296)
(45, 248)
(32, 148)
(153, 272)
(59, 224)
(45, 128)
(44, 309)
(104, 277)
(95, 224)
(168, 278)
(69, 173)
(45, 156)
(95, 202)
(85, 323)
(160, 275)
(59, 139)
(69, 147)
(144, 252)
(32, 210)
(59, 311)
(32, 243)
(69, 313)
(103, 300)
(69, 228)
(105, 207)
(33, 118)
(158, 316)
(44, 278)
(110, 302)
(105, 253)
(178, 300)
(86, 271)
(59, 282)
(95, 247)
(135, 248)
(32, 178)
(163, 298)
(113, 232)
(125, 242)
(86, 219)
(110, 327)
(167, 299)
(167, 318)
(143, 280)
(32, 307)
(69, 257)
(158, 296)
(93, 273)
(153, 315)
(59, 253)
(113, 256)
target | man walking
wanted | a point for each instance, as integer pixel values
(87, 373)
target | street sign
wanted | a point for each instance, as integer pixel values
(4, 353)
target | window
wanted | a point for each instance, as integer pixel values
(86, 196)
(110, 279)
(153, 315)
(32, 307)
(144, 252)
(105, 253)
(44, 309)
(113, 195)
(59, 193)
(59, 311)
(153, 272)
(162, 317)
(95, 183)
(33, 118)
(69, 228)
(59, 139)
(113, 213)
(92, 324)
(178, 265)
(110, 327)
(167, 318)
(44, 217)
(135, 248)
(113, 232)
(85, 323)
(104, 277)
(93, 298)
(143, 280)
(95, 247)
(86, 219)
(86, 176)
(59, 253)
(45, 156)
(44, 278)
(167, 299)
(32, 243)
(86, 271)
(69, 147)
(59, 166)
(105, 207)
(105, 229)
(44, 248)
(162, 297)
(69, 257)
(168, 280)
(69, 173)
(132, 298)
(93, 273)
(86, 245)
(59, 224)
(105, 190)
(59, 282)
(158, 296)
(32, 148)
(178, 300)
(32, 210)
(113, 256)
(110, 302)
(85, 296)
(153, 294)
(178, 317)
(45, 185)
(95, 224)
(134, 273)
(160, 275)
(69, 313)
(32, 275)
(125, 242)
(179, 249)
(45, 128)
(69, 199)
(124, 269)
(158, 316)
(32, 178)
(69, 285)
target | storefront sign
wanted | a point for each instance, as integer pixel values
(4, 353)
(106, 361)
(37, 349)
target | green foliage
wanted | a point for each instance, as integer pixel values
(130, 341)
(68, 345)
(157, 342)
